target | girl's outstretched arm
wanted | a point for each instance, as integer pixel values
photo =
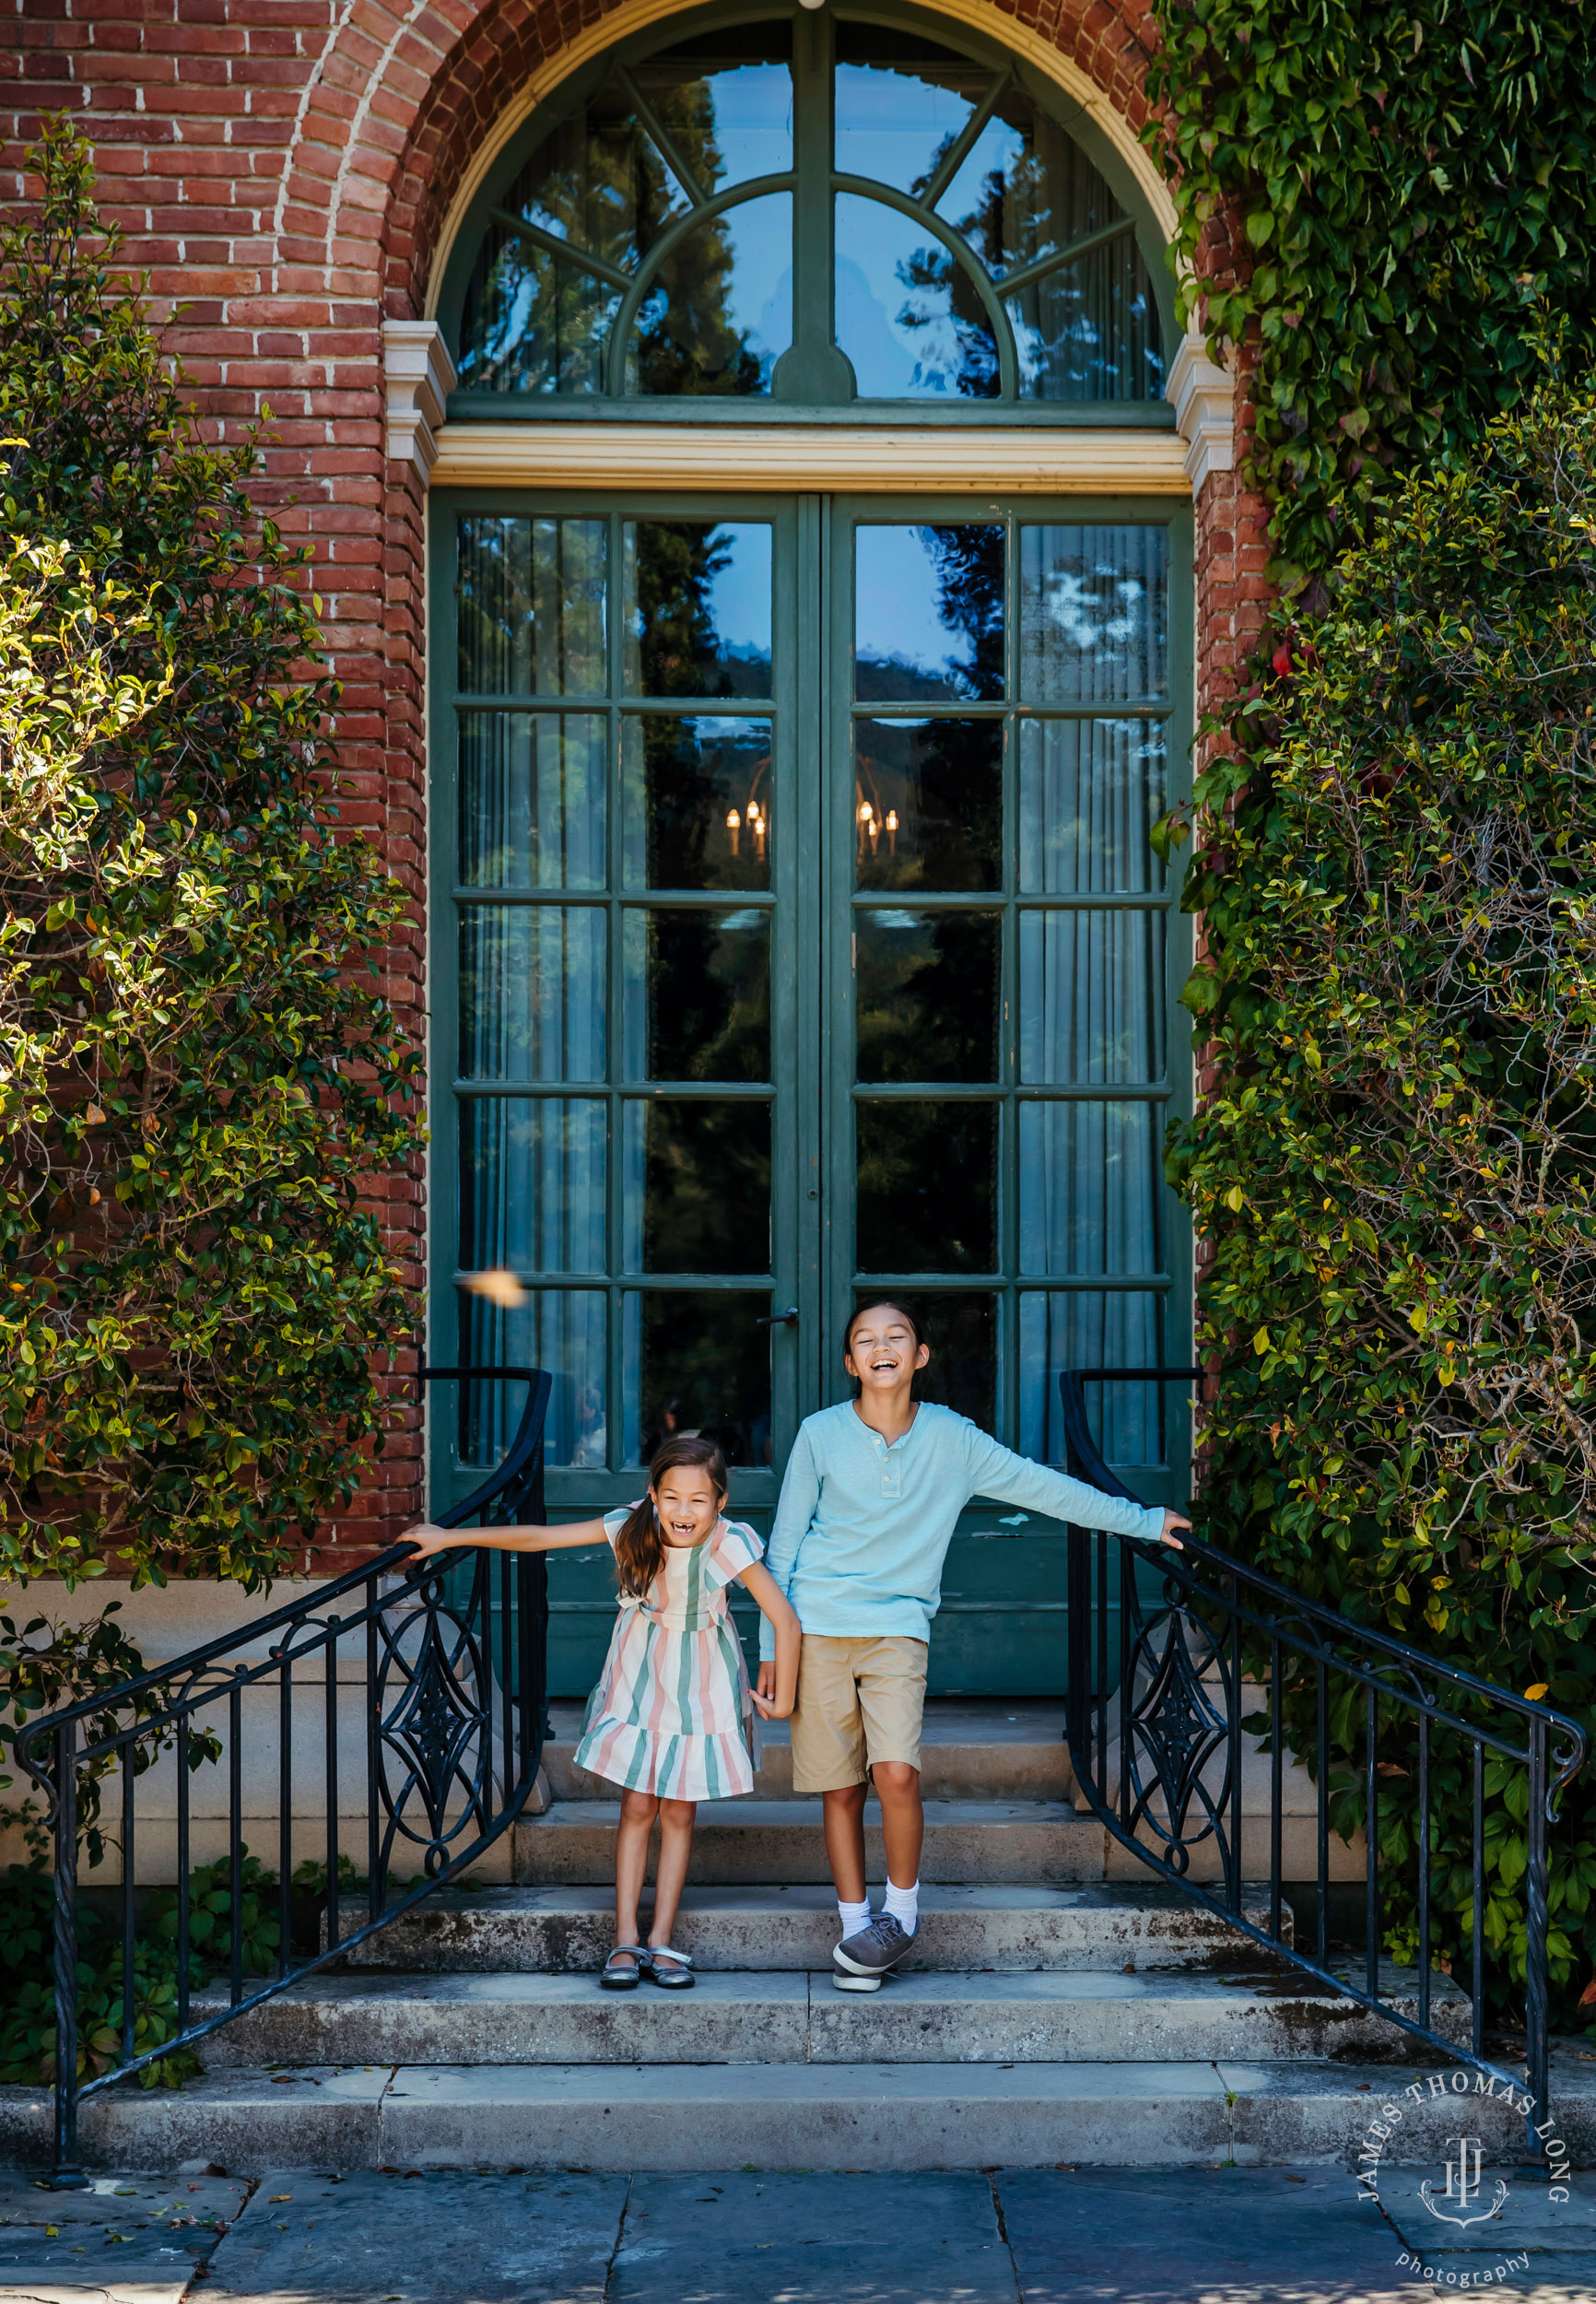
(782, 1616)
(429, 1540)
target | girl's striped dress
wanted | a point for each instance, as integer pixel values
(671, 1713)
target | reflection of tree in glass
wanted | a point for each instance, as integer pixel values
(679, 647)
(969, 560)
(959, 352)
(707, 1186)
(686, 342)
(709, 998)
(928, 997)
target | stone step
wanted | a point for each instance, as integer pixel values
(737, 1841)
(996, 1751)
(1005, 1929)
(1262, 2013)
(861, 2116)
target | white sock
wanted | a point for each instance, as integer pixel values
(904, 1906)
(853, 1916)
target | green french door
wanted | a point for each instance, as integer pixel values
(798, 936)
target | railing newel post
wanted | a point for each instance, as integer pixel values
(68, 2175)
(1538, 2056)
(376, 1872)
(1233, 1754)
(1276, 1787)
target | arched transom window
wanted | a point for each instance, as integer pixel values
(808, 210)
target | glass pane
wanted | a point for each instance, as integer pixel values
(1114, 1328)
(560, 1329)
(1094, 613)
(697, 802)
(531, 800)
(961, 1330)
(531, 992)
(1092, 997)
(726, 101)
(1091, 1181)
(696, 608)
(532, 1183)
(718, 315)
(1090, 792)
(927, 1187)
(697, 1186)
(928, 997)
(531, 607)
(532, 322)
(928, 804)
(928, 613)
(697, 1361)
(698, 996)
(907, 312)
(1090, 330)
(598, 182)
(901, 101)
(1024, 187)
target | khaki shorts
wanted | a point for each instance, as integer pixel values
(859, 1701)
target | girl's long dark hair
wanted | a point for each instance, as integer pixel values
(639, 1546)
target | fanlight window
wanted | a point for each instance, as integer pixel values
(816, 211)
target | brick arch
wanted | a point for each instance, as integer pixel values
(406, 93)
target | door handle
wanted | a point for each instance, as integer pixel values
(789, 1319)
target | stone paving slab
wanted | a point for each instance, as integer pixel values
(412, 2237)
(745, 2239)
(126, 2239)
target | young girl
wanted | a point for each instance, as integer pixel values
(672, 1720)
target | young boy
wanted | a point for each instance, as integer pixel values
(868, 1507)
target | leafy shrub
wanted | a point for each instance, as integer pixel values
(1397, 868)
(197, 1090)
(28, 1978)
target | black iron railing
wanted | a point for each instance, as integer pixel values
(453, 1707)
(1168, 1649)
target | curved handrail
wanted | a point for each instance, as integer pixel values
(454, 1730)
(1179, 1720)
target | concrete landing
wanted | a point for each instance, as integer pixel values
(746, 2235)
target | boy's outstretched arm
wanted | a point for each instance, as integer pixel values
(794, 1511)
(997, 1471)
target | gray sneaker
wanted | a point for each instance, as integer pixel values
(862, 1961)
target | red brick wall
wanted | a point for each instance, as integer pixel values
(283, 169)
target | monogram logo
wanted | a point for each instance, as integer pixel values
(1463, 2186)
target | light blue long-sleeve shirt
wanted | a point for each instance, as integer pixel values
(862, 1530)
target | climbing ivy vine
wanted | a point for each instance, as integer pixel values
(1407, 186)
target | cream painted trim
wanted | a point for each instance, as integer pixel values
(635, 15)
(814, 458)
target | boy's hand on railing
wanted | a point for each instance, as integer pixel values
(428, 1541)
(1173, 1520)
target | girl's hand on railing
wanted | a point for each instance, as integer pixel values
(428, 1541)
(1173, 1520)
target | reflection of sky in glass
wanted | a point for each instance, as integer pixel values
(891, 126)
(753, 108)
(739, 594)
(896, 611)
(892, 361)
(760, 295)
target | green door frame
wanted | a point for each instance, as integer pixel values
(812, 1181)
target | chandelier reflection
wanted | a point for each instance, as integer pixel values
(758, 828)
(870, 826)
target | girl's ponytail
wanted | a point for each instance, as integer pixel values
(639, 1546)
